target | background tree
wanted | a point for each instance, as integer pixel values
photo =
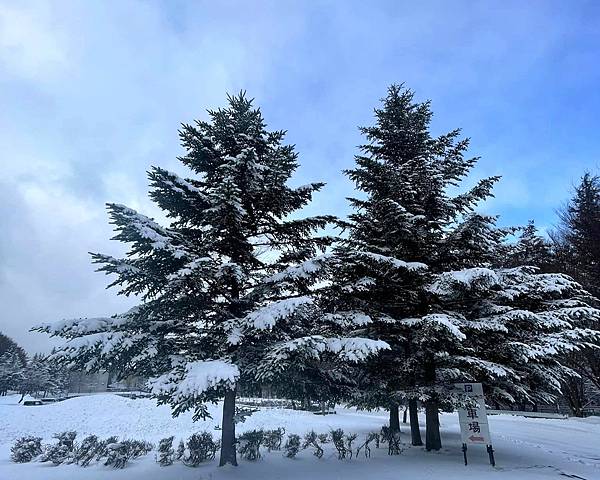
(577, 235)
(530, 249)
(576, 246)
(7, 344)
(12, 372)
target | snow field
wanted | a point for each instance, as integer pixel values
(527, 449)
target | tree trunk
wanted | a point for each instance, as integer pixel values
(228, 453)
(415, 432)
(394, 418)
(433, 440)
(404, 415)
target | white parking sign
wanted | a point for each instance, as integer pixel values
(474, 428)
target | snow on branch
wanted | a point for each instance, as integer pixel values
(302, 271)
(101, 344)
(523, 281)
(135, 227)
(175, 182)
(391, 261)
(491, 368)
(347, 348)
(84, 326)
(266, 317)
(448, 283)
(557, 343)
(189, 268)
(191, 381)
(348, 318)
(449, 323)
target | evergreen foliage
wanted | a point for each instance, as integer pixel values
(200, 447)
(292, 445)
(63, 451)
(7, 344)
(25, 449)
(417, 271)
(272, 439)
(87, 451)
(164, 456)
(117, 455)
(12, 372)
(576, 253)
(249, 444)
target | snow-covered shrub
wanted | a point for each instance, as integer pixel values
(349, 441)
(337, 437)
(392, 439)
(200, 447)
(249, 444)
(292, 445)
(137, 448)
(371, 437)
(311, 439)
(164, 456)
(26, 449)
(323, 438)
(180, 450)
(103, 447)
(272, 439)
(61, 452)
(117, 455)
(87, 450)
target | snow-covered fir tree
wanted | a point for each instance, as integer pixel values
(214, 313)
(415, 271)
(577, 236)
(530, 249)
(576, 252)
(12, 371)
(7, 344)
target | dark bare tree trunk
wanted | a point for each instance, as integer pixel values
(433, 440)
(228, 453)
(415, 432)
(395, 418)
(574, 393)
(404, 415)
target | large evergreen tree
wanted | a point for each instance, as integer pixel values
(214, 313)
(415, 271)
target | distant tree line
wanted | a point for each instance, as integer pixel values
(29, 376)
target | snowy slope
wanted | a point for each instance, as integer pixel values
(526, 449)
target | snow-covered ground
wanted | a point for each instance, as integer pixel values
(526, 449)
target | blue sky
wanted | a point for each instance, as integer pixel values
(92, 93)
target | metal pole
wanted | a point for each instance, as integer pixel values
(464, 450)
(490, 451)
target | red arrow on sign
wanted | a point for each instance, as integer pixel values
(476, 439)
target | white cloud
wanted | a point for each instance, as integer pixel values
(30, 45)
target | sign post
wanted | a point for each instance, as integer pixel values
(474, 428)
